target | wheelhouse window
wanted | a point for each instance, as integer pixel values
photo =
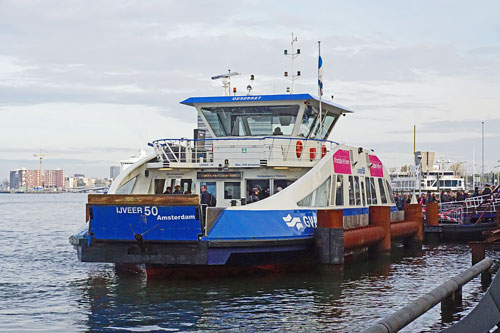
(389, 190)
(372, 194)
(351, 191)
(357, 195)
(362, 183)
(265, 120)
(383, 196)
(319, 197)
(310, 125)
(127, 187)
(339, 191)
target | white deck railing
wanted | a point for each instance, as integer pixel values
(255, 150)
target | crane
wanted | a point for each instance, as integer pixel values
(42, 156)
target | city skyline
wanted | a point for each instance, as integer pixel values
(110, 77)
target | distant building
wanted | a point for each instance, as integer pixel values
(53, 179)
(79, 175)
(69, 182)
(33, 180)
(18, 179)
(114, 171)
(28, 180)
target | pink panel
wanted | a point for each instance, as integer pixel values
(376, 170)
(342, 162)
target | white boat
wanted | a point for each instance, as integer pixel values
(276, 144)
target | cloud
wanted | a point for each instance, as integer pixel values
(89, 79)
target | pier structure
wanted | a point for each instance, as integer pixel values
(333, 243)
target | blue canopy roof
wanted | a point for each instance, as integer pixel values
(260, 98)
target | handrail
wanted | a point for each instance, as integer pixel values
(190, 150)
(491, 199)
(404, 316)
(242, 138)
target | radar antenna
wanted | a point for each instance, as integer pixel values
(292, 56)
(226, 80)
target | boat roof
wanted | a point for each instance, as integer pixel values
(261, 98)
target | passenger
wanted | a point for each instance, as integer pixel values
(177, 189)
(168, 190)
(443, 197)
(254, 197)
(187, 192)
(487, 190)
(206, 198)
(476, 192)
(277, 131)
(430, 197)
(421, 200)
(279, 189)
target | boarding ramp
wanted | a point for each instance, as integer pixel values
(478, 207)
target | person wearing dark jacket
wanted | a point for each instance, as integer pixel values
(206, 198)
(254, 197)
(487, 190)
(430, 197)
(177, 189)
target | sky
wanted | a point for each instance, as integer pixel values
(91, 82)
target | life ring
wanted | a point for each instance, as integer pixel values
(299, 147)
(323, 151)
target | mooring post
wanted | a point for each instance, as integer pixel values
(381, 216)
(431, 213)
(329, 236)
(478, 251)
(413, 212)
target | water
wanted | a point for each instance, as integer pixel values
(43, 287)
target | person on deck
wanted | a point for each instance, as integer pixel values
(254, 197)
(277, 131)
(177, 189)
(430, 197)
(206, 198)
(168, 190)
(487, 190)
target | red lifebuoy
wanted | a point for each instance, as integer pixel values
(299, 147)
(312, 153)
(323, 151)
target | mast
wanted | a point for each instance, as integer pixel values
(320, 87)
(292, 56)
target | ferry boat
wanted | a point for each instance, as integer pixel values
(269, 166)
(432, 177)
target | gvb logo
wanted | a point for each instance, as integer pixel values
(296, 222)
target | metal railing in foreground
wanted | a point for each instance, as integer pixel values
(443, 293)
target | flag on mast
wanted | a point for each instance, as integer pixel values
(320, 71)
